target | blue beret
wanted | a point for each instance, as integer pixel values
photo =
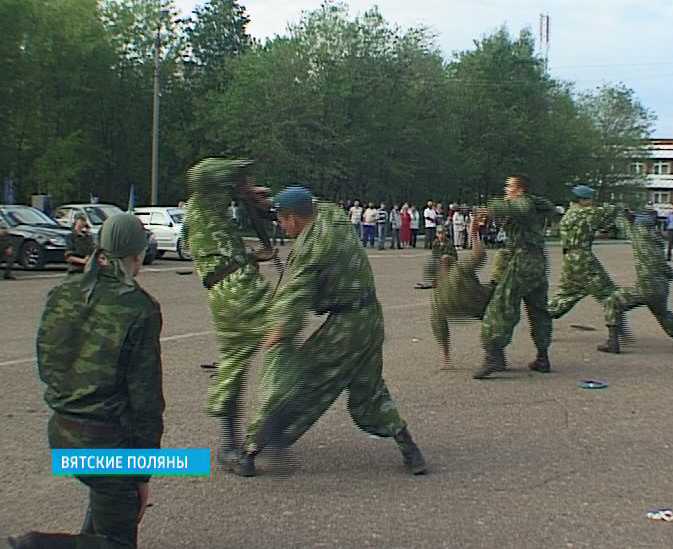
(296, 199)
(582, 191)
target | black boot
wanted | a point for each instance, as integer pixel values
(411, 454)
(228, 452)
(541, 363)
(244, 466)
(494, 361)
(612, 344)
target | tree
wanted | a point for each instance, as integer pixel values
(620, 125)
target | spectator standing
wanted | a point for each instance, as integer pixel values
(415, 224)
(430, 216)
(369, 225)
(234, 213)
(355, 215)
(9, 249)
(458, 222)
(395, 226)
(405, 226)
(79, 245)
(448, 221)
(381, 222)
(669, 234)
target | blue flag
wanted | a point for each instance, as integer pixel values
(132, 199)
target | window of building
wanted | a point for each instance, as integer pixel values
(661, 168)
(661, 198)
(637, 168)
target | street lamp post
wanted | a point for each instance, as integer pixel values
(155, 115)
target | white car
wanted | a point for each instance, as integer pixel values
(166, 224)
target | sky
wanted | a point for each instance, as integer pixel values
(591, 41)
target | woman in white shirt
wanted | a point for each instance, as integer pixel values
(355, 215)
(459, 229)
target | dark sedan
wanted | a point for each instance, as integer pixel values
(44, 240)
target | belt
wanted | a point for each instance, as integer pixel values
(365, 299)
(88, 427)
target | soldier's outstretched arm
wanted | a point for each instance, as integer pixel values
(144, 381)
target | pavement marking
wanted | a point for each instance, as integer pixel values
(180, 337)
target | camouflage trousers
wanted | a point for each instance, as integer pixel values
(112, 517)
(625, 299)
(524, 279)
(582, 275)
(300, 383)
(239, 305)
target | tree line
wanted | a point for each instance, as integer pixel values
(355, 107)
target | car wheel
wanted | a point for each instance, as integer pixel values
(183, 251)
(149, 259)
(160, 254)
(32, 256)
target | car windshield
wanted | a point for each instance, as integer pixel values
(98, 214)
(177, 216)
(27, 216)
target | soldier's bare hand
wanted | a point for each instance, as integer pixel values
(143, 497)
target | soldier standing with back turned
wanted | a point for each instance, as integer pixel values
(98, 353)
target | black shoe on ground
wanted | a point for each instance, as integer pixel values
(612, 343)
(411, 453)
(9, 277)
(245, 465)
(541, 364)
(494, 361)
(227, 458)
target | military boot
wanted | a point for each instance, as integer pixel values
(541, 363)
(228, 453)
(38, 540)
(244, 466)
(612, 344)
(411, 454)
(494, 361)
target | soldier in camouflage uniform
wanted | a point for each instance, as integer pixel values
(582, 274)
(441, 246)
(459, 294)
(80, 245)
(524, 278)
(237, 294)
(653, 275)
(99, 354)
(328, 272)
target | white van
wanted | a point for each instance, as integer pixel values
(166, 224)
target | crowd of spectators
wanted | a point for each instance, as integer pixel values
(401, 225)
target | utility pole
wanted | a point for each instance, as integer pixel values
(545, 28)
(155, 115)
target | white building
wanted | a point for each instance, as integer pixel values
(658, 171)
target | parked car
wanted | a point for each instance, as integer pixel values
(96, 214)
(166, 224)
(44, 240)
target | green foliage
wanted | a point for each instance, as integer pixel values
(352, 106)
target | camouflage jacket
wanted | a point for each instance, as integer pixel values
(579, 225)
(652, 270)
(79, 245)
(525, 220)
(101, 361)
(213, 236)
(327, 269)
(440, 248)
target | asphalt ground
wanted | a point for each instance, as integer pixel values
(520, 460)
